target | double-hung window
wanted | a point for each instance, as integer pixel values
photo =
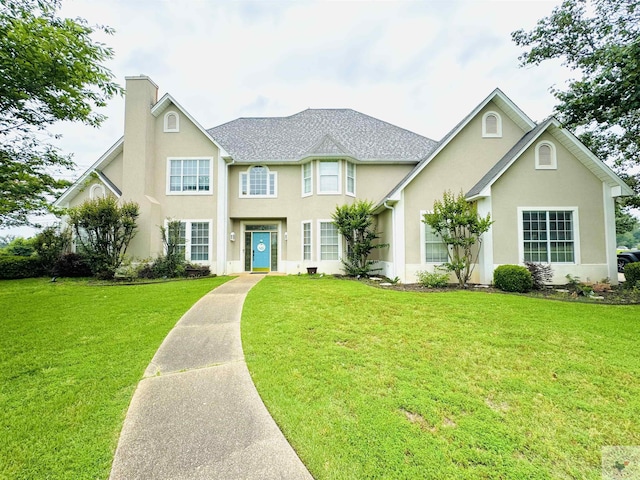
(329, 241)
(258, 181)
(434, 248)
(189, 176)
(329, 176)
(307, 181)
(306, 241)
(351, 179)
(194, 240)
(548, 236)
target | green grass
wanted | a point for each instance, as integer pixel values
(369, 383)
(71, 356)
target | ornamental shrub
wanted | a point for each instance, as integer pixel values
(20, 267)
(512, 278)
(72, 265)
(632, 274)
(435, 279)
(541, 274)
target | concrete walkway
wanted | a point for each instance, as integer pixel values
(197, 414)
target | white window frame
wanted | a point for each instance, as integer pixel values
(338, 183)
(187, 234)
(498, 133)
(308, 165)
(302, 238)
(576, 231)
(319, 237)
(348, 165)
(166, 122)
(554, 160)
(189, 192)
(423, 242)
(271, 177)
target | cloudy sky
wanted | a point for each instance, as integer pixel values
(421, 65)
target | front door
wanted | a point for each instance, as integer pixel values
(261, 251)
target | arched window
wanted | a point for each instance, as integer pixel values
(97, 191)
(491, 125)
(546, 156)
(258, 181)
(171, 122)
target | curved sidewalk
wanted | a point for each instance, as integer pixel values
(197, 414)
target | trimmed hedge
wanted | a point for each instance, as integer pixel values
(512, 278)
(632, 274)
(20, 267)
(72, 265)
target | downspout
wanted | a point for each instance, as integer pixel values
(394, 246)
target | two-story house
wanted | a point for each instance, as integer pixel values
(257, 194)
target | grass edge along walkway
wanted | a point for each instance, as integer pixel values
(71, 356)
(368, 383)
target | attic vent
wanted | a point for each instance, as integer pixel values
(491, 125)
(171, 122)
(546, 156)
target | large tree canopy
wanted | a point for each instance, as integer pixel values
(600, 39)
(50, 70)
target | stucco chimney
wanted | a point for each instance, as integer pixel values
(141, 93)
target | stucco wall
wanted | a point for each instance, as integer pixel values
(458, 167)
(571, 185)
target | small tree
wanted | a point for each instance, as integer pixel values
(355, 223)
(103, 231)
(172, 264)
(461, 228)
(51, 244)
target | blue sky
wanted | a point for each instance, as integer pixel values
(420, 65)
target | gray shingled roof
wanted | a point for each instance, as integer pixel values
(317, 132)
(507, 159)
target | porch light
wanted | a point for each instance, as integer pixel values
(232, 237)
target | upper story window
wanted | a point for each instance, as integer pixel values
(307, 179)
(171, 122)
(351, 179)
(258, 181)
(491, 125)
(329, 176)
(546, 156)
(189, 176)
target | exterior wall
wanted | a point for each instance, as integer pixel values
(290, 209)
(571, 185)
(114, 171)
(458, 167)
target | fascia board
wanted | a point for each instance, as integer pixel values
(102, 162)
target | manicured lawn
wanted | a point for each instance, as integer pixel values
(368, 383)
(71, 356)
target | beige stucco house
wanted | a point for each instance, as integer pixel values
(257, 194)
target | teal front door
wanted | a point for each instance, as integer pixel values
(261, 251)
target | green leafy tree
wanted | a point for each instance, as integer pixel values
(50, 70)
(355, 223)
(103, 231)
(457, 222)
(599, 40)
(51, 244)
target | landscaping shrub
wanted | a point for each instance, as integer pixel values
(50, 244)
(435, 279)
(194, 270)
(512, 278)
(541, 274)
(72, 265)
(632, 274)
(20, 267)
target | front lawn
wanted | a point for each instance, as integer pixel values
(71, 356)
(369, 383)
